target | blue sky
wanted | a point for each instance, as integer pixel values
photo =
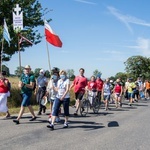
(96, 34)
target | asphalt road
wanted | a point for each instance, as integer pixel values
(127, 128)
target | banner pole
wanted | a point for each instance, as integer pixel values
(19, 56)
(2, 54)
(48, 57)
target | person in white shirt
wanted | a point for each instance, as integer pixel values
(51, 93)
(62, 97)
(106, 92)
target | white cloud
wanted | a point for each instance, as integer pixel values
(111, 52)
(143, 46)
(86, 2)
(126, 19)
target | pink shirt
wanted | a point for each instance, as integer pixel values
(3, 88)
(99, 84)
(117, 88)
(92, 85)
(80, 82)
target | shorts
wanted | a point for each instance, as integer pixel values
(117, 95)
(107, 97)
(26, 99)
(130, 95)
(135, 94)
(79, 95)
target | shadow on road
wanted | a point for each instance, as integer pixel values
(113, 124)
(90, 125)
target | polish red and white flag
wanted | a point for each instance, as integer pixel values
(51, 37)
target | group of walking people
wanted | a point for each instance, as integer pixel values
(56, 91)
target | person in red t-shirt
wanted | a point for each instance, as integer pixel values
(4, 93)
(100, 83)
(79, 84)
(92, 89)
(117, 91)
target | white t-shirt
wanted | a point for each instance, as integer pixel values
(62, 85)
(51, 91)
(106, 88)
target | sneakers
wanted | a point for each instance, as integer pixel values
(129, 104)
(51, 127)
(39, 113)
(7, 116)
(75, 114)
(107, 108)
(82, 109)
(120, 104)
(33, 119)
(16, 121)
(57, 119)
(65, 125)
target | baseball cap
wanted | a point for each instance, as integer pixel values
(42, 70)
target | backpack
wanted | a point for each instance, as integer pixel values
(8, 85)
(33, 89)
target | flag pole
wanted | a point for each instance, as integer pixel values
(2, 53)
(48, 57)
(19, 55)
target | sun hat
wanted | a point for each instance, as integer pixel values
(27, 67)
(111, 81)
(62, 71)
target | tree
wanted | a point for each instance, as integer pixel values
(17, 72)
(4, 68)
(70, 73)
(96, 72)
(138, 66)
(36, 72)
(121, 75)
(32, 18)
(47, 74)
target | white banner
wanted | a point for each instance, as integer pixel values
(17, 18)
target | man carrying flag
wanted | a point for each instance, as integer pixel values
(51, 37)
(6, 35)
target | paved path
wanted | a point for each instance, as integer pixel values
(118, 129)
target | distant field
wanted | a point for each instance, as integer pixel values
(14, 81)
